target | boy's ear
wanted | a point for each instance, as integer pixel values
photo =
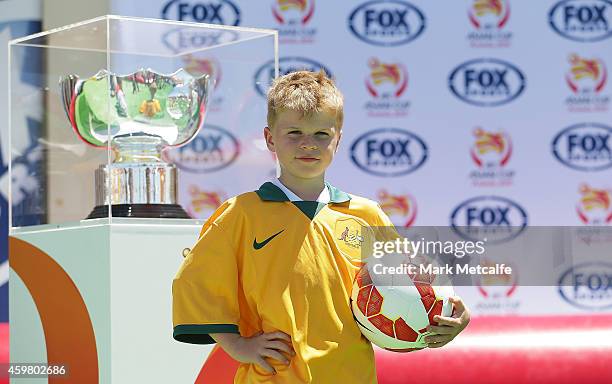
(269, 139)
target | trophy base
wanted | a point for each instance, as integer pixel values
(149, 211)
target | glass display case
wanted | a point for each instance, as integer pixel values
(124, 105)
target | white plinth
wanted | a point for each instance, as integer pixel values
(123, 271)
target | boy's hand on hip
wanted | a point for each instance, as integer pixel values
(449, 327)
(257, 348)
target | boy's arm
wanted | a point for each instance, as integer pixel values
(256, 348)
(205, 289)
(205, 298)
(449, 327)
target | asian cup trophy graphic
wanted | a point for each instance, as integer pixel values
(141, 114)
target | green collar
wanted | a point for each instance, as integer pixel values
(270, 192)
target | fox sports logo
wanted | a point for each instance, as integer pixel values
(388, 152)
(493, 219)
(213, 149)
(265, 74)
(222, 12)
(386, 22)
(180, 39)
(582, 20)
(584, 147)
(588, 286)
(486, 82)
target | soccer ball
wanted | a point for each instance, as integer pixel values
(395, 315)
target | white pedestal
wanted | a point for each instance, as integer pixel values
(123, 271)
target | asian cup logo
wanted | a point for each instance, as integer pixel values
(489, 14)
(586, 75)
(386, 22)
(401, 208)
(388, 152)
(293, 11)
(202, 203)
(223, 12)
(486, 82)
(495, 286)
(198, 66)
(584, 147)
(491, 152)
(586, 78)
(497, 291)
(491, 148)
(582, 20)
(293, 18)
(595, 205)
(382, 74)
(494, 218)
(489, 19)
(386, 84)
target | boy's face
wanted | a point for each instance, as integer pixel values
(304, 146)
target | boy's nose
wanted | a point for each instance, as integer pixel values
(309, 147)
(308, 144)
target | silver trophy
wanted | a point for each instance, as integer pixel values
(141, 114)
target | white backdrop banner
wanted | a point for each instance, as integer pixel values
(497, 108)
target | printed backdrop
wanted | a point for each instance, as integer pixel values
(475, 112)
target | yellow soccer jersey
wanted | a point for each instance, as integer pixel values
(264, 263)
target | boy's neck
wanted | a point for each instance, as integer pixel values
(305, 189)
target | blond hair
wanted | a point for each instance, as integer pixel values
(305, 92)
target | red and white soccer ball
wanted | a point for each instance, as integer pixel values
(395, 316)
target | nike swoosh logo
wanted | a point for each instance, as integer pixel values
(257, 245)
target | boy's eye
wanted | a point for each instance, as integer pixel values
(294, 132)
(325, 134)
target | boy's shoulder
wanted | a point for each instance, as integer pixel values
(367, 209)
(236, 206)
(362, 203)
(247, 205)
(232, 212)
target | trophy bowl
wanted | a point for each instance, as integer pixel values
(141, 114)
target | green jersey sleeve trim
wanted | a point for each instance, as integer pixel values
(200, 333)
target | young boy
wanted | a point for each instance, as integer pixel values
(271, 275)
